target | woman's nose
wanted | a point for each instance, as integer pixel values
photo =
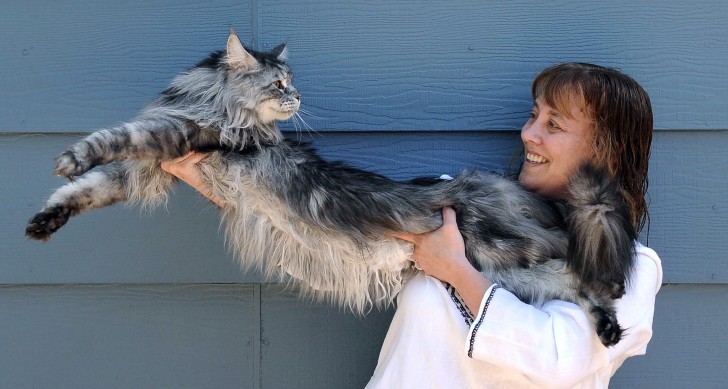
(531, 131)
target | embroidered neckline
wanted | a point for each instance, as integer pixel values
(460, 304)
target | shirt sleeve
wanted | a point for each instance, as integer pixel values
(556, 345)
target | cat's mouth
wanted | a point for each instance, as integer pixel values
(272, 110)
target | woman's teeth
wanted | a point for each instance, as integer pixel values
(534, 158)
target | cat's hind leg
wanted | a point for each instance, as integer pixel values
(598, 301)
(552, 280)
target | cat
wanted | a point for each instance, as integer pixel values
(327, 226)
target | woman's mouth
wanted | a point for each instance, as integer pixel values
(535, 158)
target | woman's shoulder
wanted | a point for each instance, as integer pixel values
(648, 263)
(643, 253)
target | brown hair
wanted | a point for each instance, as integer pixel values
(621, 112)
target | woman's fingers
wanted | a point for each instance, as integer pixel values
(448, 217)
(194, 157)
(409, 237)
(189, 158)
(180, 164)
(169, 164)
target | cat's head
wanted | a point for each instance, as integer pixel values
(266, 75)
(238, 91)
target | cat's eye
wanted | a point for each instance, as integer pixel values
(278, 84)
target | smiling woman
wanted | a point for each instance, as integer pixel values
(555, 143)
(466, 332)
(612, 111)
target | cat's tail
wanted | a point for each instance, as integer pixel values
(601, 235)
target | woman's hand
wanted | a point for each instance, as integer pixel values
(185, 168)
(441, 254)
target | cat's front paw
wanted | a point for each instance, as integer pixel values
(46, 222)
(70, 165)
(608, 328)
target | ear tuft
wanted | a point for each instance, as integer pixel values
(237, 56)
(280, 52)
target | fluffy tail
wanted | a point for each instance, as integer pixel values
(601, 236)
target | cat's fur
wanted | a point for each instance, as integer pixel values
(290, 213)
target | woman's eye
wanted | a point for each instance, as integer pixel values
(553, 126)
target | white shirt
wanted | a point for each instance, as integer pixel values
(516, 345)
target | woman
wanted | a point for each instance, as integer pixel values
(581, 113)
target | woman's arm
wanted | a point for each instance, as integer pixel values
(185, 168)
(554, 345)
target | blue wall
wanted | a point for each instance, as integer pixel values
(131, 299)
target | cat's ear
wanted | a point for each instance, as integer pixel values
(237, 57)
(280, 52)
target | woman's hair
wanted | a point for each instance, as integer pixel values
(621, 112)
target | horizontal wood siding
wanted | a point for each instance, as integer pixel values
(127, 298)
(310, 345)
(126, 336)
(173, 336)
(688, 347)
(203, 336)
(406, 65)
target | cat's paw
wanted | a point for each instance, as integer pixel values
(608, 329)
(70, 165)
(46, 222)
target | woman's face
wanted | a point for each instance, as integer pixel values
(556, 144)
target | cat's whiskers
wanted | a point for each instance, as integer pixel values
(300, 124)
(297, 127)
(310, 130)
(309, 113)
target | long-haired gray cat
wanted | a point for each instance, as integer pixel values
(328, 225)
